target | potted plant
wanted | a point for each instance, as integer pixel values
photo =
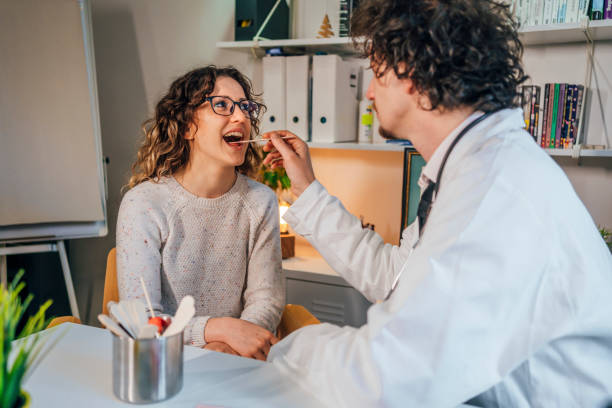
(18, 355)
(278, 181)
(607, 237)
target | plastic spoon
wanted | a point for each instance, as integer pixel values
(112, 326)
(118, 314)
(148, 331)
(184, 313)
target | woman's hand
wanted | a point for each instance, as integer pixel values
(246, 338)
(220, 347)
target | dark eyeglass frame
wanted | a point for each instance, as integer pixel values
(247, 112)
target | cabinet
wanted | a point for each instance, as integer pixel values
(310, 282)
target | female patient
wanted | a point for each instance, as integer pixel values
(192, 223)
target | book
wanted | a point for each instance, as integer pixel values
(560, 114)
(551, 101)
(597, 10)
(567, 113)
(579, 113)
(535, 112)
(553, 124)
(572, 121)
(608, 10)
(545, 115)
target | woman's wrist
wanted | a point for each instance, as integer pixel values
(215, 329)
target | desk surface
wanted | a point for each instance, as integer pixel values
(77, 372)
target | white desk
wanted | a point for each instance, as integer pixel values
(77, 372)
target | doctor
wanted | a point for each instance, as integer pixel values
(500, 294)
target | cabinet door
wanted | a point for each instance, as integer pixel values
(340, 305)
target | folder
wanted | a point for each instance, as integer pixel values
(298, 95)
(274, 71)
(334, 99)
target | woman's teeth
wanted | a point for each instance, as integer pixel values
(232, 137)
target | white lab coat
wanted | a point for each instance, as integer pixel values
(506, 301)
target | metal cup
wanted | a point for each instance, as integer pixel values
(147, 370)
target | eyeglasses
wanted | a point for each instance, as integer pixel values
(224, 106)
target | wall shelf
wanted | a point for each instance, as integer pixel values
(359, 146)
(583, 152)
(565, 33)
(531, 35)
(335, 45)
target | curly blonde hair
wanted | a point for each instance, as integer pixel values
(165, 149)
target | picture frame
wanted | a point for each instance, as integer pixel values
(411, 192)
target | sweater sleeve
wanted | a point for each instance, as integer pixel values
(264, 296)
(139, 238)
(141, 228)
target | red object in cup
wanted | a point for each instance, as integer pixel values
(162, 322)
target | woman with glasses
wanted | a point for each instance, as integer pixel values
(193, 223)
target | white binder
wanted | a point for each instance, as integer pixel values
(298, 95)
(334, 99)
(274, 69)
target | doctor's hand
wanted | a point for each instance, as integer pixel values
(293, 155)
(246, 338)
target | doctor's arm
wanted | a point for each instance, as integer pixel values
(359, 255)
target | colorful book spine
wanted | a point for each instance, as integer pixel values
(553, 131)
(597, 10)
(581, 92)
(536, 113)
(551, 100)
(567, 116)
(608, 10)
(545, 115)
(572, 122)
(560, 114)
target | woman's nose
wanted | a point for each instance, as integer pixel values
(239, 115)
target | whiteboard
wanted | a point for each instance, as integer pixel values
(52, 180)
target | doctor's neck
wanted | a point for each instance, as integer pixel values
(432, 127)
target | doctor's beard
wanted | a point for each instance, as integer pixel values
(386, 134)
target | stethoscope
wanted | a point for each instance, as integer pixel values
(427, 199)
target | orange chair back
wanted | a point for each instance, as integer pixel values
(111, 290)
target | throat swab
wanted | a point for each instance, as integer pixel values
(262, 140)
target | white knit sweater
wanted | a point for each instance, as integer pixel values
(225, 252)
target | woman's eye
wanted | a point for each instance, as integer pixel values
(220, 104)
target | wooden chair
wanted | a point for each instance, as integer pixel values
(293, 318)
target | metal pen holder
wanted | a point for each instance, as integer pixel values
(147, 370)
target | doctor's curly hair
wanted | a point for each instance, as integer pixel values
(164, 149)
(457, 53)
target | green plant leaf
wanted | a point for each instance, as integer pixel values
(285, 182)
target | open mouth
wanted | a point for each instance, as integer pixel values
(232, 138)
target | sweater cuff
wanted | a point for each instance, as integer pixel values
(305, 204)
(194, 332)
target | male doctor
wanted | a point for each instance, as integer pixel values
(500, 294)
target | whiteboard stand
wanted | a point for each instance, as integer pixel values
(59, 247)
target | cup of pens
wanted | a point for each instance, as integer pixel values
(147, 352)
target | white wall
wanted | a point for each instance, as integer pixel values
(142, 45)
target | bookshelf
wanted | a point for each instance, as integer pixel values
(566, 33)
(542, 35)
(530, 35)
(389, 147)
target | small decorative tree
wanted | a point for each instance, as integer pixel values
(325, 31)
(18, 355)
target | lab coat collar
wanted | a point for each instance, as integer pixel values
(430, 171)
